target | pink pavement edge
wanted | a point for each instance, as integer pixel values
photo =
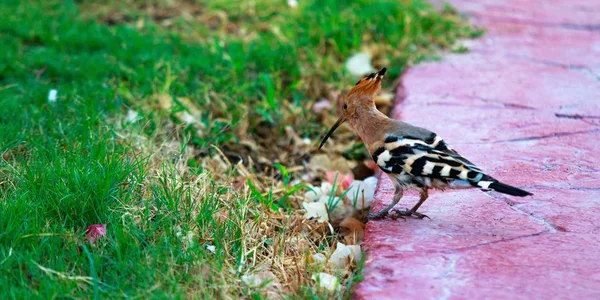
(524, 105)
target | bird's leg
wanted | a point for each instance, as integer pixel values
(413, 211)
(397, 196)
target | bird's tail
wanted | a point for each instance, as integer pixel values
(503, 188)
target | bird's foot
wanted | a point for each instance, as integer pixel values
(408, 213)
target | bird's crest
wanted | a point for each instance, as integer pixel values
(369, 85)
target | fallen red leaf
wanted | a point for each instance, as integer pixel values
(94, 232)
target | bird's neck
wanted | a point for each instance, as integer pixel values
(369, 123)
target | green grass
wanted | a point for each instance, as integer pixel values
(73, 163)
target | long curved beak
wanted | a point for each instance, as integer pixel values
(333, 128)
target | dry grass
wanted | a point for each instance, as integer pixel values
(190, 129)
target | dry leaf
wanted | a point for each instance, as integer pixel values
(353, 230)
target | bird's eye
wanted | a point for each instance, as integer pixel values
(345, 106)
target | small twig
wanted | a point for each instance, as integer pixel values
(576, 116)
(48, 271)
(43, 234)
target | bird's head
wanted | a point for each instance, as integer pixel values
(360, 96)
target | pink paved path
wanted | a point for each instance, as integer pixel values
(524, 104)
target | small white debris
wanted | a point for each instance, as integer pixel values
(327, 281)
(344, 255)
(316, 210)
(326, 188)
(321, 105)
(251, 280)
(132, 116)
(293, 3)
(341, 210)
(306, 141)
(257, 279)
(52, 96)
(360, 64)
(319, 258)
(361, 193)
(187, 118)
(189, 239)
(211, 248)
(313, 195)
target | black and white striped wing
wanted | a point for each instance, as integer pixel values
(429, 157)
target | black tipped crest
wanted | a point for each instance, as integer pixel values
(376, 76)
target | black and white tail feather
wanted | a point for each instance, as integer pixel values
(429, 162)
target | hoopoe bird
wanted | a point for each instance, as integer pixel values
(413, 157)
